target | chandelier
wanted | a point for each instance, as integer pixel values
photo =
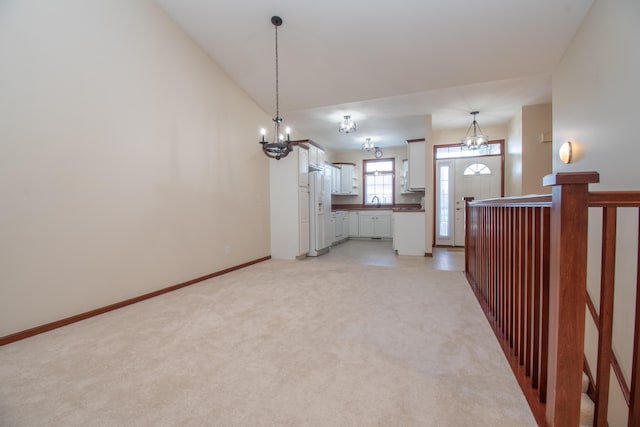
(368, 145)
(477, 140)
(280, 147)
(347, 125)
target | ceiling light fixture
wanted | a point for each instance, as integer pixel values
(367, 145)
(477, 140)
(280, 147)
(347, 125)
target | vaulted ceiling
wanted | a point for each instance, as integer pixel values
(387, 64)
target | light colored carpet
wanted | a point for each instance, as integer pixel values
(280, 343)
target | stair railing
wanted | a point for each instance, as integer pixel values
(526, 260)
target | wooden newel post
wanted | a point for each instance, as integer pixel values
(567, 294)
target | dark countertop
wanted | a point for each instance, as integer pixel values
(395, 208)
(407, 210)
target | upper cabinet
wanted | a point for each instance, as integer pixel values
(348, 179)
(317, 157)
(303, 167)
(404, 178)
(416, 153)
(336, 178)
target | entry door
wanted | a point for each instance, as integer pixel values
(477, 177)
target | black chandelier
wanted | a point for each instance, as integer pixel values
(280, 147)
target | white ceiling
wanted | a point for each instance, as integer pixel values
(387, 64)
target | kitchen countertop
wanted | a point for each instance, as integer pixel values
(407, 210)
(396, 208)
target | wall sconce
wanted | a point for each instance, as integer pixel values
(565, 152)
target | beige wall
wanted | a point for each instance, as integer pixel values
(536, 155)
(595, 105)
(128, 160)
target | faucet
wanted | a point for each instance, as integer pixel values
(377, 199)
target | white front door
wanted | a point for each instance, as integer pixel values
(456, 179)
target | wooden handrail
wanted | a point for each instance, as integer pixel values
(620, 199)
(525, 259)
(523, 201)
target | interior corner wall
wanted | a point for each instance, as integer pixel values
(513, 157)
(128, 160)
(595, 97)
(430, 189)
(536, 155)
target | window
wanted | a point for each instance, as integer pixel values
(378, 181)
(456, 151)
(444, 202)
(477, 169)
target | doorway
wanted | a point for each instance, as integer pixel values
(479, 177)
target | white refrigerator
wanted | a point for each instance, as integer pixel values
(319, 213)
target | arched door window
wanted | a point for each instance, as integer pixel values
(477, 169)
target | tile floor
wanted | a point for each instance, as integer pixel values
(381, 253)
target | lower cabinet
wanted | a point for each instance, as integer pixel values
(408, 233)
(303, 217)
(353, 223)
(374, 224)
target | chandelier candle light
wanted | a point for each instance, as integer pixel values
(347, 125)
(280, 147)
(477, 140)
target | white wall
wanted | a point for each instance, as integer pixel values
(595, 105)
(596, 92)
(513, 157)
(128, 160)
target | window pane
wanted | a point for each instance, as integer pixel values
(372, 166)
(456, 151)
(378, 182)
(477, 169)
(443, 199)
(380, 186)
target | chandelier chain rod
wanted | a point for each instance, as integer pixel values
(277, 79)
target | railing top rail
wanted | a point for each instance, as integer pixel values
(624, 199)
(533, 200)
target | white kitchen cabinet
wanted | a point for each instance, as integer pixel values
(317, 157)
(345, 225)
(404, 178)
(322, 158)
(353, 223)
(409, 233)
(348, 179)
(303, 168)
(365, 225)
(337, 218)
(376, 224)
(335, 178)
(303, 215)
(416, 153)
(289, 204)
(313, 156)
